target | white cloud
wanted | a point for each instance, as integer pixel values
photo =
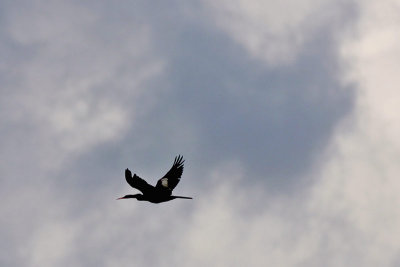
(74, 90)
(52, 243)
(360, 181)
(274, 31)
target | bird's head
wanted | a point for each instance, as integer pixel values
(131, 196)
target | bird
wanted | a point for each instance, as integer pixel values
(162, 192)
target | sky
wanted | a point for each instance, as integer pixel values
(286, 114)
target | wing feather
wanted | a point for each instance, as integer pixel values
(137, 182)
(173, 176)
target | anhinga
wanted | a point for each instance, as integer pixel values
(163, 190)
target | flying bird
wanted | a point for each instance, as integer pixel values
(162, 192)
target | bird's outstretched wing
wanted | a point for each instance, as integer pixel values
(137, 182)
(172, 177)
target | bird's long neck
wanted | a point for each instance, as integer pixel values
(137, 196)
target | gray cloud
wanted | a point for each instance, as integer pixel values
(273, 118)
(275, 146)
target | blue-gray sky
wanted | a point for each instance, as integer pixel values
(286, 114)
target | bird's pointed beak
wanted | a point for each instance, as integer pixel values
(120, 198)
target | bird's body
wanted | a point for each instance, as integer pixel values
(153, 198)
(162, 192)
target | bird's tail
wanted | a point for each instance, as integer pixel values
(182, 197)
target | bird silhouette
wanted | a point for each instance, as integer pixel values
(162, 192)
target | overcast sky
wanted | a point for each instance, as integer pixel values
(287, 114)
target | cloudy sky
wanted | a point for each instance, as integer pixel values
(287, 115)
